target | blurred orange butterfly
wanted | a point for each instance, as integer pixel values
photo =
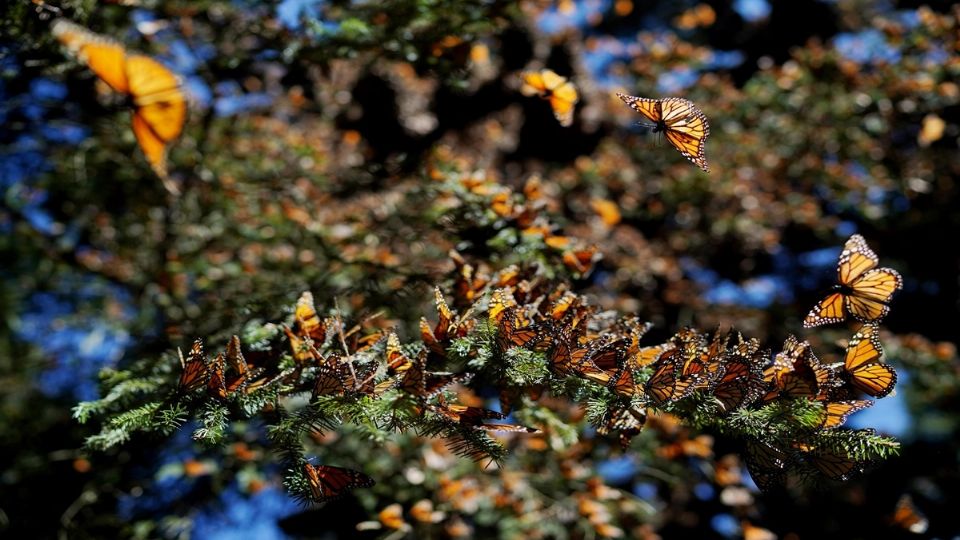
(864, 290)
(159, 104)
(560, 92)
(863, 367)
(328, 483)
(684, 125)
(908, 517)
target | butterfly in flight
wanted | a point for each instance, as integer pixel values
(560, 92)
(682, 123)
(907, 516)
(159, 104)
(863, 292)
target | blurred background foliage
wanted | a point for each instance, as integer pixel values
(330, 147)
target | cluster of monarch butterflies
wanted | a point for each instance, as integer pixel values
(682, 123)
(223, 375)
(155, 93)
(863, 293)
(525, 310)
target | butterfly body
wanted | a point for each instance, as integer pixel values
(682, 123)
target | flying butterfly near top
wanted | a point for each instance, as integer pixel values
(863, 292)
(560, 92)
(682, 123)
(159, 104)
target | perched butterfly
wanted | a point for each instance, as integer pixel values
(862, 365)
(328, 483)
(194, 374)
(308, 322)
(684, 125)
(333, 379)
(742, 380)
(560, 92)
(864, 291)
(397, 362)
(303, 350)
(908, 517)
(832, 463)
(417, 382)
(159, 104)
(796, 372)
(767, 464)
(216, 382)
(836, 413)
(627, 421)
(475, 416)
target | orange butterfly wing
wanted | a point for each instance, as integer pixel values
(686, 129)
(160, 105)
(328, 483)
(836, 413)
(194, 374)
(649, 108)
(830, 310)
(105, 57)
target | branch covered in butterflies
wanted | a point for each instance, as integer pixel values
(525, 336)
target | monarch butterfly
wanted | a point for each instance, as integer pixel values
(328, 483)
(684, 125)
(475, 416)
(796, 372)
(767, 464)
(417, 382)
(622, 382)
(237, 365)
(516, 330)
(582, 260)
(907, 516)
(469, 281)
(627, 421)
(742, 379)
(672, 380)
(397, 362)
(333, 379)
(864, 291)
(216, 381)
(432, 337)
(560, 92)
(308, 322)
(194, 369)
(564, 359)
(836, 413)
(159, 104)
(303, 351)
(648, 355)
(862, 364)
(832, 463)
